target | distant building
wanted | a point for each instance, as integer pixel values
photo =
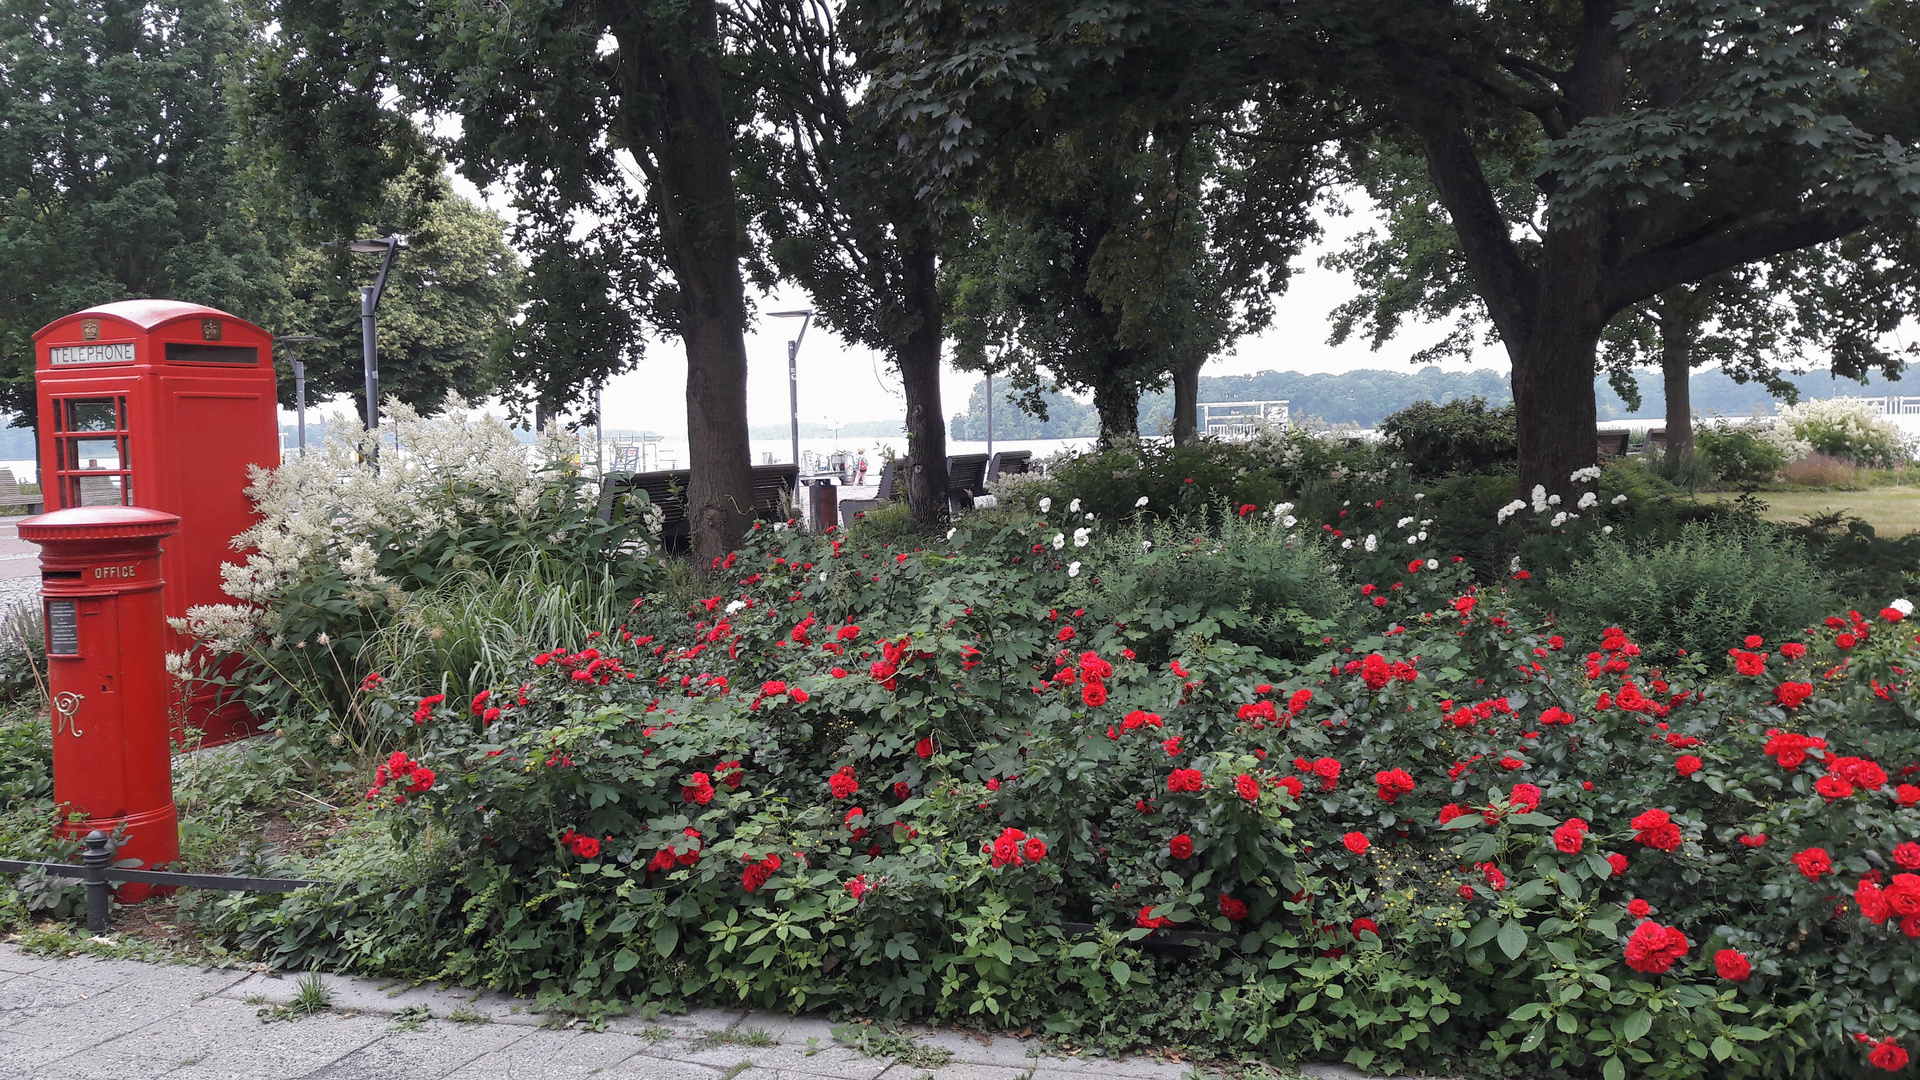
(1241, 419)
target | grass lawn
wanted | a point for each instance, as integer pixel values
(1892, 511)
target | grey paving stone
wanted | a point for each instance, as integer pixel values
(14, 959)
(24, 997)
(961, 1070)
(24, 1054)
(646, 1068)
(833, 1061)
(233, 1044)
(430, 1053)
(691, 1024)
(562, 1055)
(978, 1050)
(351, 995)
(793, 1030)
(1086, 1068)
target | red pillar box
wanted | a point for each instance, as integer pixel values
(107, 672)
(163, 404)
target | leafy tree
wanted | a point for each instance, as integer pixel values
(1061, 417)
(445, 317)
(1753, 321)
(1663, 141)
(1113, 258)
(116, 169)
(566, 105)
(818, 180)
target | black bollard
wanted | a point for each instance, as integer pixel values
(99, 895)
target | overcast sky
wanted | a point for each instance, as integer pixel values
(843, 383)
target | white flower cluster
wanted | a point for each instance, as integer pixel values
(1586, 475)
(461, 470)
(1903, 606)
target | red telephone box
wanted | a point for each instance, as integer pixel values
(164, 405)
(100, 580)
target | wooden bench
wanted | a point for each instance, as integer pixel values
(966, 477)
(1612, 444)
(1009, 462)
(772, 496)
(10, 494)
(1657, 441)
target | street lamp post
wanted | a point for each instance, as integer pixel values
(793, 383)
(299, 384)
(386, 247)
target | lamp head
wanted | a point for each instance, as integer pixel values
(791, 314)
(296, 339)
(377, 246)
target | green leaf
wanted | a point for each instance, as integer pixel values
(1722, 1048)
(665, 937)
(1086, 950)
(1483, 932)
(1513, 939)
(1638, 1025)
(625, 960)
(1615, 1070)
(1122, 974)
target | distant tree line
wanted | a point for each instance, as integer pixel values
(1370, 395)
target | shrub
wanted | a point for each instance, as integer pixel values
(1462, 436)
(345, 550)
(1821, 471)
(1711, 585)
(1173, 481)
(963, 784)
(1738, 456)
(1847, 429)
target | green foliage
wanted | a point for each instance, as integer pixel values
(1175, 481)
(1455, 437)
(23, 654)
(1707, 586)
(1855, 431)
(1737, 456)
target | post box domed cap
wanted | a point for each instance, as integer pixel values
(99, 523)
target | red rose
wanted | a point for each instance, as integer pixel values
(1292, 785)
(1034, 849)
(1234, 910)
(1832, 787)
(1907, 856)
(1793, 650)
(1688, 765)
(1181, 847)
(1639, 908)
(1365, 926)
(1755, 840)
(1248, 787)
(1730, 964)
(924, 748)
(843, 783)
(1571, 836)
(1653, 948)
(1814, 863)
(1391, 784)
(1618, 862)
(1656, 830)
(1356, 842)
(586, 847)
(1791, 694)
(1907, 794)
(1888, 1055)
(1184, 780)
(1093, 695)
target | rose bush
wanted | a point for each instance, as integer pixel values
(974, 782)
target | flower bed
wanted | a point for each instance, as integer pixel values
(883, 781)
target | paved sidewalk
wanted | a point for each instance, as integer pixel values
(88, 1019)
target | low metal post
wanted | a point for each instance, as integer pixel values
(99, 895)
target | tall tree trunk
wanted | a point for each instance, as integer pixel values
(1186, 400)
(676, 115)
(919, 359)
(1677, 327)
(1554, 407)
(1117, 400)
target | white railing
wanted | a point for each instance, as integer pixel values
(1889, 406)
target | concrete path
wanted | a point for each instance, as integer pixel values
(88, 1019)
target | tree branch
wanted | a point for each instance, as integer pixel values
(1504, 278)
(1642, 276)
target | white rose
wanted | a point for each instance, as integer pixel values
(1073, 569)
(1046, 504)
(1073, 507)
(1139, 502)
(1080, 537)
(1433, 564)
(1606, 530)
(1903, 606)
(1059, 541)
(735, 606)
(950, 533)
(1539, 498)
(1618, 499)
(1346, 544)
(1559, 519)
(1373, 542)
(1588, 500)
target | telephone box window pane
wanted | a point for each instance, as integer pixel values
(95, 455)
(192, 352)
(99, 491)
(95, 414)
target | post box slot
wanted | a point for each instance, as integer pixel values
(59, 575)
